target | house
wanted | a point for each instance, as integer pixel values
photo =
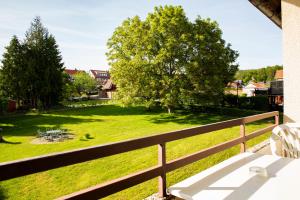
(72, 72)
(100, 75)
(108, 90)
(276, 89)
(286, 15)
(265, 179)
(235, 84)
(278, 75)
(252, 87)
(105, 84)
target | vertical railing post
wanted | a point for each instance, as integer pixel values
(277, 119)
(162, 185)
(242, 134)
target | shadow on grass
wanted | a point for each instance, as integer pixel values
(2, 194)
(8, 142)
(109, 110)
(29, 124)
(86, 137)
(196, 119)
(199, 119)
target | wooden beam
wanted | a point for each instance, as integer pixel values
(180, 162)
(242, 135)
(259, 132)
(254, 118)
(23, 167)
(28, 166)
(105, 189)
(162, 179)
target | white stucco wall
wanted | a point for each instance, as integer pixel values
(291, 58)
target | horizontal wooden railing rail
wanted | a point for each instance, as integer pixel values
(13, 169)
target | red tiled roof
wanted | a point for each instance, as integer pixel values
(260, 85)
(279, 74)
(72, 72)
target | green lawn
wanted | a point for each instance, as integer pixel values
(107, 123)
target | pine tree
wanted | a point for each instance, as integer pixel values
(32, 71)
(45, 66)
(12, 81)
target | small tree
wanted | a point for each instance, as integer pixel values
(84, 83)
(68, 87)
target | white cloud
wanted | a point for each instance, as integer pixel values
(69, 31)
(82, 46)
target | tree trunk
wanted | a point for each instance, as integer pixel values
(169, 110)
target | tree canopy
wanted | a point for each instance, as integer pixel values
(84, 83)
(32, 70)
(169, 60)
(259, 75)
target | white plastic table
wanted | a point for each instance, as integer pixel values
(232, 180)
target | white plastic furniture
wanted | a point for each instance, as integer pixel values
(233, 179)
(285, 140)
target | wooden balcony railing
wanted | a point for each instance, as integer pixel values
(13, 169)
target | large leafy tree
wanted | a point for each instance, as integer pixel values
(169, 60)
(211, 63)
(32, 71)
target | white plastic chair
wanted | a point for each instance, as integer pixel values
(285, 140)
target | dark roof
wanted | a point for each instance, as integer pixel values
(100, 73)
(108, 85)
(270, 8)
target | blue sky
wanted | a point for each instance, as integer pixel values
(82, 28)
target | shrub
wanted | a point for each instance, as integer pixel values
(260, 102)
(3, 104)
(230, 100)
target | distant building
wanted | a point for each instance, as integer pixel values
(252, 87)
(235, 84)
(279, 75)
(72, 72)
(105, 84)
(101, 76)
(276, 89)
(108, 90)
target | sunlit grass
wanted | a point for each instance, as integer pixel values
(105, 124)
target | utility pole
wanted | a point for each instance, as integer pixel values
(238, 83)
(1, 138)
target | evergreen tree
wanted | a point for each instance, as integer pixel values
(32, 72)
(12, 80)
(44, 64)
